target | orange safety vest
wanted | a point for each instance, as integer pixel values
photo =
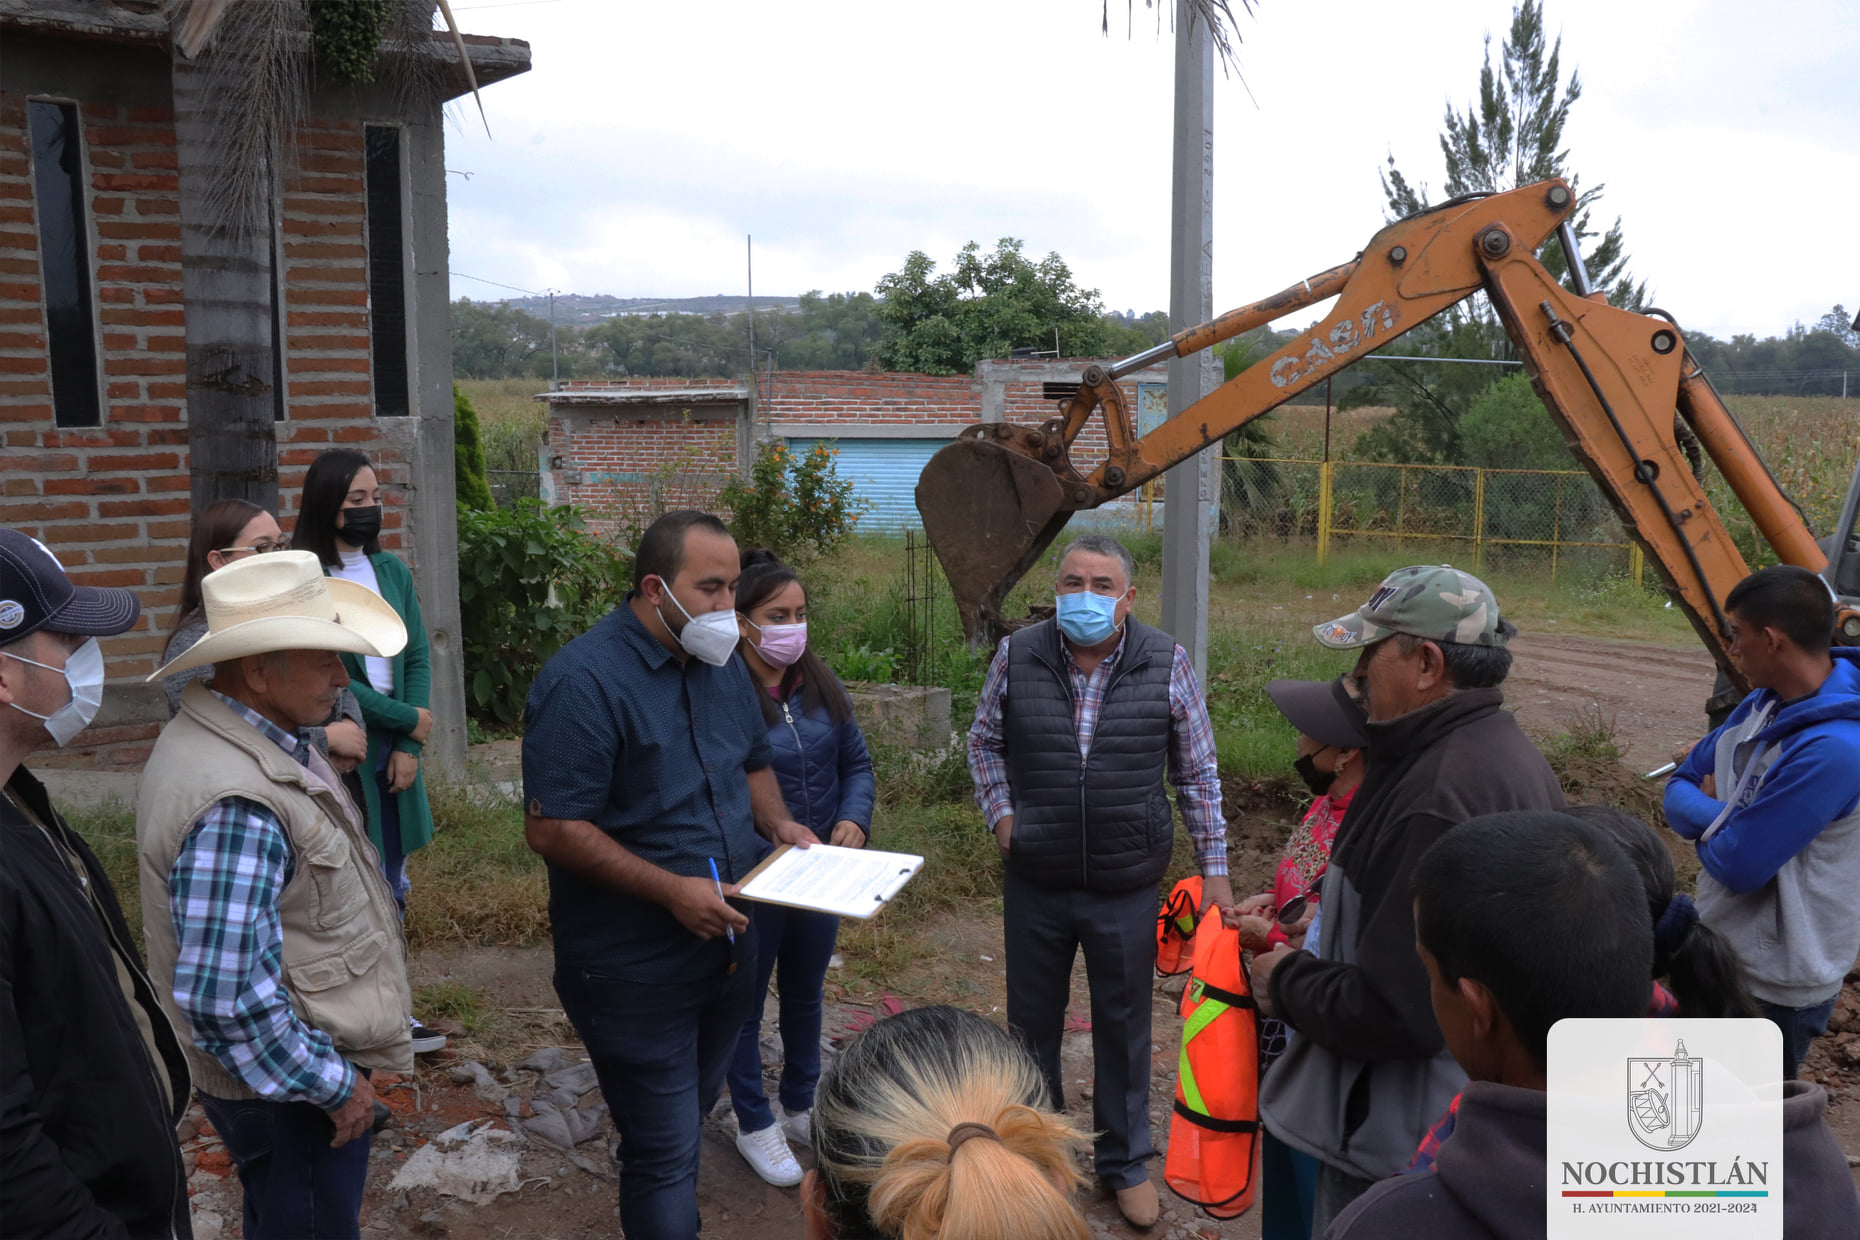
(1175, 926)
(1214, 1146)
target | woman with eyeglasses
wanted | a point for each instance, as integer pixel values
(229, 530)
(339, 519)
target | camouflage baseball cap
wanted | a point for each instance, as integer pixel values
(1434, 601)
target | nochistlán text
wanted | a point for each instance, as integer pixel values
(1698, 1173)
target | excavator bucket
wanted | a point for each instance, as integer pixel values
(989, 513)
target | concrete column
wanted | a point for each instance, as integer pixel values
(433, 491)
(1191, 498)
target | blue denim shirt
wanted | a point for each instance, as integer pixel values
(617, 732)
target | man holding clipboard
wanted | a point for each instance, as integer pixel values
(645, 760)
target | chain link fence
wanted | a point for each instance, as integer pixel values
(1529, 520)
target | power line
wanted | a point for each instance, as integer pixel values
(498, 284)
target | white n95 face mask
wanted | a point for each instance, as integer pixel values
(83, 671)
(710, 638)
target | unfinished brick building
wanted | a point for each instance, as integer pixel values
(628, 449)
(93, 325)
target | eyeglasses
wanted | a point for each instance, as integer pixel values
(1294, 908)
(263, 546)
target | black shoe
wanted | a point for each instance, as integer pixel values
(425, 1041)
(383, 1116)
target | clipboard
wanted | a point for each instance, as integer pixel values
(823, 878)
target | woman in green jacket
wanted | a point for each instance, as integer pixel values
(339, 518)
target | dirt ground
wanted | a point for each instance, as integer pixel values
(1651, 696)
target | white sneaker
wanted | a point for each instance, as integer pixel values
(798, 1126)
(766, 1150)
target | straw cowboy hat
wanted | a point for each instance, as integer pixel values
(282, 601)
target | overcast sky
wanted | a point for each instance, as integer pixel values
(649, 138)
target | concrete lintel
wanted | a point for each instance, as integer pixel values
(584, 397)
(869, 430)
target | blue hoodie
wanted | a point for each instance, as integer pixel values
(1779, 876)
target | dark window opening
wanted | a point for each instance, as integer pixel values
(64, 262)
(387, 289)
(277, 307)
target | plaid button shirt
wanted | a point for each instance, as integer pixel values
(1193, 766)
(223, 894)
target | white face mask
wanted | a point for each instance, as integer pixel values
(710, 638)
(83, 671)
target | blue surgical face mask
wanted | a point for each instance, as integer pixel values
(1085, 617)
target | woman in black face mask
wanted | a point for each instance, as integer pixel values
(339, 517)
(1330, 761)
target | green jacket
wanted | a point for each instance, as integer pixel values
(398, 715)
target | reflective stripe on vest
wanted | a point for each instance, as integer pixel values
(1214, 1136)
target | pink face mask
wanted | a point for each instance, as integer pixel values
(781, 644)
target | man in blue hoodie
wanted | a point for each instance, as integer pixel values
(1772, 799)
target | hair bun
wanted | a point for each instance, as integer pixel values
(756, 557)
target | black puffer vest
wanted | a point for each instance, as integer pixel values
(1103, 823)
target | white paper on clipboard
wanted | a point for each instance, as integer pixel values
(852, 882)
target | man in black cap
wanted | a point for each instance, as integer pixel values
(92, 1080)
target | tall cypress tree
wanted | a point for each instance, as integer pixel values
(1513, 135)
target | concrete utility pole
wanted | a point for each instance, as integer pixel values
(1191, 499)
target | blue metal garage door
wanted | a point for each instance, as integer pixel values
(884, 474)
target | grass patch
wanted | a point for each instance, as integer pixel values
(451, 1000)
(510, 423)
(110, 830)
(478, 881)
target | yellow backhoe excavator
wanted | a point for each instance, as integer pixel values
(993, 500)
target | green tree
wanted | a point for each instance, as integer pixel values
(1513, 136)
(1508, 427)
(474, 489)
(832, 331)
(493, 340)
(985, 306)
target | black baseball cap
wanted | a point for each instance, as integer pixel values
(35, 594)
(1322, 710)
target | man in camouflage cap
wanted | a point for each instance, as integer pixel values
(1369, 1071)
(1435, 601)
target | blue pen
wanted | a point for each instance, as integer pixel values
(727, 929)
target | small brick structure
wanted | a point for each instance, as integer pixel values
(112, 499)
(629, 449)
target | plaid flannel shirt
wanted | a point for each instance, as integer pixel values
(224, 890)
(1193, 766)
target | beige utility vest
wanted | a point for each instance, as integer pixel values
(345, 960)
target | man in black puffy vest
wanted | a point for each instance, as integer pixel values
(1079, 720)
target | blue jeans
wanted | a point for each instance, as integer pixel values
(296, 1187)
(802, 943)
(1288, 1187)
(1800, 1027)
(660, 1050)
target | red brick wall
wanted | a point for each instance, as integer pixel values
(615, 453)
(865, 397)
(112, 501)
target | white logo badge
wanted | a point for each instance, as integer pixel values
(11, 613)
(1615, 1170)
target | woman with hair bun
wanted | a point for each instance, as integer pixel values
(1699, 961)
(933, 1125)
(825, 773)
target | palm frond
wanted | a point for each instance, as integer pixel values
(1218, 15)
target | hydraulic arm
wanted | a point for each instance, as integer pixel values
(993, 500)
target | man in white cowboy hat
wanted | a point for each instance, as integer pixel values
(271, 934)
